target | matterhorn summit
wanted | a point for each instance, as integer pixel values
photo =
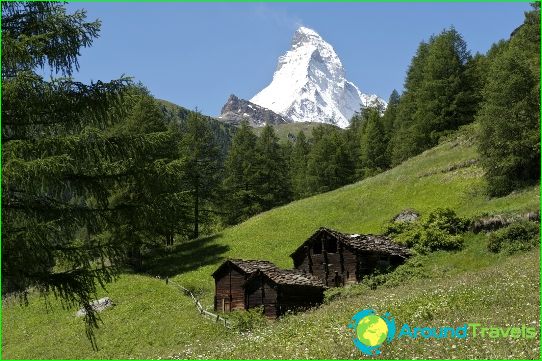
(309, 84)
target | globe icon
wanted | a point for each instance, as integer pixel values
(372, 330)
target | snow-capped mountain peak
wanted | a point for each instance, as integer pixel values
(309, 84)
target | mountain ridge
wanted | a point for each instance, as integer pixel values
(309, 84)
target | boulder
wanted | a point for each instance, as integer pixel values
(98, 306)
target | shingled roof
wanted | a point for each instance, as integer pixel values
(288, 277)
(362, 243)
(246, 265)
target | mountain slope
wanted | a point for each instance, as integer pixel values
(479, 285)
(309, 84)
(236, 110)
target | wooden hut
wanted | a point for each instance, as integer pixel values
(338, 258)
(229, 280)
(280, 290)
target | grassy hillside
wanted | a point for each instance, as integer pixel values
(152, 319)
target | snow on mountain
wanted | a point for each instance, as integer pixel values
(309, 84)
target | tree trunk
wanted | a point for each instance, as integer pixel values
(196, 210)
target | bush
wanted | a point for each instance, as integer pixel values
(519, 236)
(247, 320)
(439, 230)
(446, 220)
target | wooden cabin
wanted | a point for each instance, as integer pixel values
(337, 258)
(279, 291)
(229, 280)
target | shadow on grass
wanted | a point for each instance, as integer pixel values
(184, 257)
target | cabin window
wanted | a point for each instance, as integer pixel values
(330, 245)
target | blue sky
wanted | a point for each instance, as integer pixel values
(196, 55)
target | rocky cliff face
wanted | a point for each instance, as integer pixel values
(236, 110)
(310, 85)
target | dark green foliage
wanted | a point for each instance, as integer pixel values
(509, 139)
(222, 132)
(273, 185)
(519, 236)
(240, 177)
(298, 166)
(439, 230)
(389, 118)
(329, 165)
(256, 174)
(58, 160)
(374, 144)
(405, 142)
(159, 202)
(201, 168)
(35, 34)
(439, 95)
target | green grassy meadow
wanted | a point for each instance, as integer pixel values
(153, 320)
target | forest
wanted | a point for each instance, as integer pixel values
(96, 175)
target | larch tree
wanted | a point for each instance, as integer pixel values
(509, 117)
(57, 163)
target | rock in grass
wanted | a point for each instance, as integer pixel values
(98, 306)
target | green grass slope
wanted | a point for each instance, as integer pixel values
(444, 176)
(154, 320)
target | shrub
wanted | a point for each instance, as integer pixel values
(446, 220)
(247, 320)
(519, 236)
(439, 230)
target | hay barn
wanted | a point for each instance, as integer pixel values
(229, 280)
(337, 258)
(279, 291)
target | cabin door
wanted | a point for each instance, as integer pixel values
(226, 305)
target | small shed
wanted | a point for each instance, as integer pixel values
(338, 258)
(279, 290)
(229, 280)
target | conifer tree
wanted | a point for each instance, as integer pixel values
(329, 164)
(439, 96)
(509, 117)
(298, 166)
(273, 185)
(201, 168)
(58, 162)
(374, 144)
(240, 182)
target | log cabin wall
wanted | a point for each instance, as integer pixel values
(297, 298)
(229, 292)
(262, 293)
(329, 260)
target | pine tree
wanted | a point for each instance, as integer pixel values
(201, 168)
(273, 185)
(439, 96)
(159, 203)
(374, 144)
(58, 161)
(240, 182)
(405, 142)
(298, 166)
(390, 114)
(329, 164)
(509, 140)
(445, 99)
